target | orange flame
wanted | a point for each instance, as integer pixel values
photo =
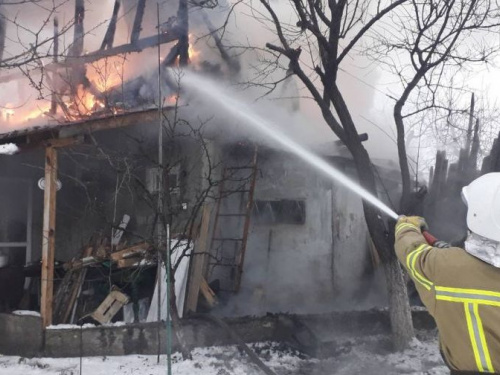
(83, 104)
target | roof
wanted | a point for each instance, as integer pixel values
(65, 130)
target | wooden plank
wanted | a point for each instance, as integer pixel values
(76, 289)
(49, 235)
(199, 259)
(110, 306)
(126, 263)
(129, 252)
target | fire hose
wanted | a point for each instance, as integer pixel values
(433, 241)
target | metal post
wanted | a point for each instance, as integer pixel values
(169, 318)
(159, 176)
(160, 224)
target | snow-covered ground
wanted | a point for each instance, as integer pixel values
(368, 357)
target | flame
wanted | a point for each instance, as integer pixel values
(7, 114)
(83, 104)
(172, 99)
(106, 73)
(40, 111)
(192, 53)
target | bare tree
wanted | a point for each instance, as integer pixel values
(427, 45)
(330, 33)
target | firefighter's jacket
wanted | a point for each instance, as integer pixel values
(462, 293)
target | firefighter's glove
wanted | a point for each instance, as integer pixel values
(416, 221)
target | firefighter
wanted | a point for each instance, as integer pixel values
(461, 287)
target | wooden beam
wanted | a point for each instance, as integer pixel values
(109, 37)
(183, 31)
(63, 142)
(198, 260)
(51, 142)
(118, 121)
(53, 104)
(3, 27)
(140, 45)
(49, 235)
(139, 15)
(76, 48)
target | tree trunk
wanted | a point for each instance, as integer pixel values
(399, 306)
(177, 323)
(403, 161)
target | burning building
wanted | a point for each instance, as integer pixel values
(88, 208)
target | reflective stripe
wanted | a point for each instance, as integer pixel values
(478, 341)
(402, 226)
(489, 365)
(411, 261)
(483, 297)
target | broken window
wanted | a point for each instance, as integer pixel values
(283, 211)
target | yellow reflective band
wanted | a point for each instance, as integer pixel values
(402, 226)
(473, 337)
(411, 261)
(424, 281)
(477, 338)
(482, 297)
(484, 345)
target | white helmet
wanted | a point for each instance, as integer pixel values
(482, 197)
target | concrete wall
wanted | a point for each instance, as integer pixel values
(23, 335)
(310, 268)
(20, 335)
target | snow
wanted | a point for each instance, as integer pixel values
(355, 358)
(26, 312)
(8, 149)
(86, 325)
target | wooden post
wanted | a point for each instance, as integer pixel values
(49, 235)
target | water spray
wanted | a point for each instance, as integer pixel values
(212, 92)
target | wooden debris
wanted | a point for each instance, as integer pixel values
(118, 233)
(208, 293)
(110, 306)
(131, 252)
(125, 263)
(69, 290)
